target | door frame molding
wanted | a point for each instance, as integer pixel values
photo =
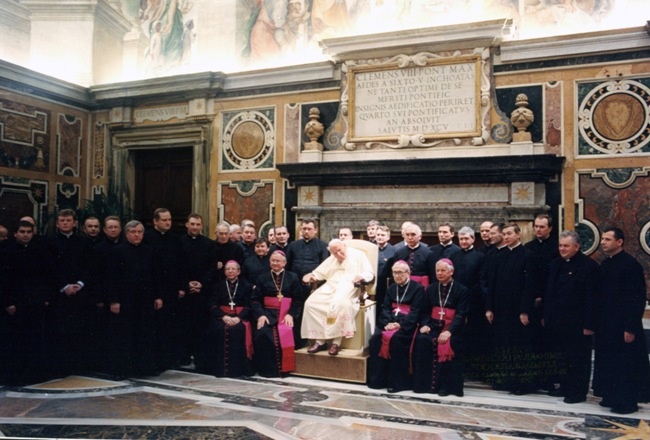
(125, 141)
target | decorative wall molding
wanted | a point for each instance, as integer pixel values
(574, 45)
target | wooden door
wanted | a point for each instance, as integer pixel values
(164, 179)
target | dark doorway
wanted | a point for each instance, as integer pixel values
(163, 178)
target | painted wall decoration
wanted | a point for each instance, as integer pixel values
(24, 136)
(248, 140)
(170, 36)
(268, 29)
(288, 31)
(614, 117)
(69, 145)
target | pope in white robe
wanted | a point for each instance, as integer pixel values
(330, 310)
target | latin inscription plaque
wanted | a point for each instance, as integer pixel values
(440, 99)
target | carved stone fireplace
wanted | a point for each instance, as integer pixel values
(463, 191)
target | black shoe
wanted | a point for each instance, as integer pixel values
(458, 393)
(605, 403)
(625, 409)
(520, 392)
(574, 399)
(443, 392)
(394, 390)
(556, 392)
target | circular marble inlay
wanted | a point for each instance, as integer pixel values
(618, 116)
(614, 117)
(247, 139)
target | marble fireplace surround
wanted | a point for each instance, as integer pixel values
(463, 191)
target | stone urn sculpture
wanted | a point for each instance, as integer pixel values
(313, 130)
(521, 118)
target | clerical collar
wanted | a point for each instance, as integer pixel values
(413, 248)
(446, 245)
(469, 248)
(66, 235)
(518, 244)
(277, 273)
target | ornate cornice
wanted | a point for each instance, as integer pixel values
(166, 89)
(453, 37)
(564, 46)
(30, 82)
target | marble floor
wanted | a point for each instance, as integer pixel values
(180, 404)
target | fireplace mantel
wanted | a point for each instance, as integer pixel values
(494, 169)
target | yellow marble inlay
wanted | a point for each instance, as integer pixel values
(75, 383)
(629, 432)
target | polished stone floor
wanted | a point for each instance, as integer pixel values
(185, 405)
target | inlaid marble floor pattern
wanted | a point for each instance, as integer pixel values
(185, 405)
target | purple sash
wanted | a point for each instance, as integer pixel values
(284, 331)
(424, 279)
(248, 332)
(386, 335)
(445, 353)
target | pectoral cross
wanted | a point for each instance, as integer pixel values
(279, 296)
(442, 314)
(397, 311)
(232, 305)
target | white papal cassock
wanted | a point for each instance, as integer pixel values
(330, 310)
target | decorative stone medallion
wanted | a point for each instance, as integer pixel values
(248, 140)
(614, 118)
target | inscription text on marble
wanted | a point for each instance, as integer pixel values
(438, 100)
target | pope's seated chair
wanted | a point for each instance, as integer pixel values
(350, 364)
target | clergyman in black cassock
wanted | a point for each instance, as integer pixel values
(569, 314)
(273, 311)
(509, 306)
(134, 295)
(389, 349)
(621, 366)
(229, 339)
(468, 265)
(439, 340)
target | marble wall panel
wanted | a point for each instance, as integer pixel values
(248, 140)
(68, 196)
(553, 117)
(506, 103)
(24, 136)
(99, 151)
(69, 138)
(20, 197)
(292, 133)
(613, 117)
(428, 195)
(252, 199)
(627, 208)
